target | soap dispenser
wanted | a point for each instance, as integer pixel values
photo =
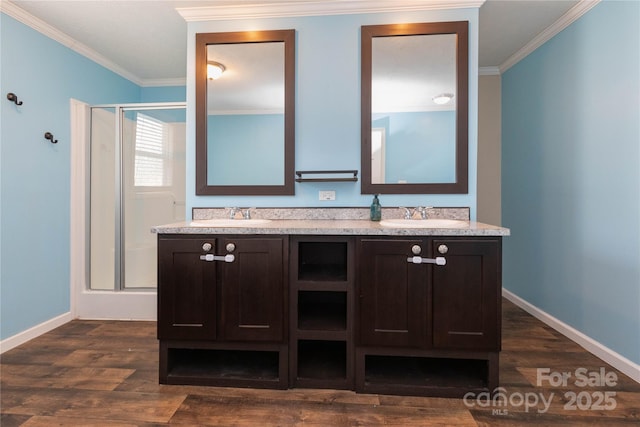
(376, 209)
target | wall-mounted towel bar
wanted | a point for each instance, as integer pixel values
(327, 176)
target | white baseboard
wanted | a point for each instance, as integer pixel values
(621, 363)
(103, 305)
(31, 333)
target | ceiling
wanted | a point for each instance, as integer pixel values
(145, 41)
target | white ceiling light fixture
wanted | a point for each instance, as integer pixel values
(214, 70)
(443, 98)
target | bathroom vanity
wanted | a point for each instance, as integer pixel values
(391, 307)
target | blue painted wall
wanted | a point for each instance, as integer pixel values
(256, 157)
(571, 176)
(328, 106)
(35, 174)
(163, 94)
(418, 146)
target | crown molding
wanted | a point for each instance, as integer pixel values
(565, 20)
(488, 71)
(179, 81)
(280, 9)
(42, 27)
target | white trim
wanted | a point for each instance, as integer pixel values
(35, 331)
(80, 114)
(99, 305)
(609, 356)
(179, 81)
(143, 105)
(488, 71)
(582, 7)
(316, 8)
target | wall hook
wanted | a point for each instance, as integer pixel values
(13, 98)
(49, 136)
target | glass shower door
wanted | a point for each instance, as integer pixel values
(137, 184)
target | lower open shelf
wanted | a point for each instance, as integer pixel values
(322, 364)
(422, 371)
(423, 375)
(262, 365)
(322, 359)
(223, 367)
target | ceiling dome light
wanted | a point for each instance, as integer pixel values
(443, 98)
(214, 70)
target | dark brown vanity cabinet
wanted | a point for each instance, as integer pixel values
(222, 310)
(379, 314)
(428, 312)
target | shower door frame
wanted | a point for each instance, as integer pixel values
(119, 302)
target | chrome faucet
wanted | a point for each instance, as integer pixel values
(422, 211)
(410, 213)
(245, 213)
(233, 212)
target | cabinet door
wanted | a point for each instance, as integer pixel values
(186, 289)
(392, 294)
(252, 289)
(466, 294)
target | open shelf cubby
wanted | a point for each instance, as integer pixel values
(322, 311)
(322, 261)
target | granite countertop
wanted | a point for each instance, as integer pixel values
(328, 222)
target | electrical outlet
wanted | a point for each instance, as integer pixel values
(327, 195)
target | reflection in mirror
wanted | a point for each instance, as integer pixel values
(414, 108)
(245, 117)
(244, 113)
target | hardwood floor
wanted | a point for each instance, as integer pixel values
(105, 373)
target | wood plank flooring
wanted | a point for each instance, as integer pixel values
(105, 373)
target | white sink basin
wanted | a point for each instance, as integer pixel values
(229, 222)
(424, 223)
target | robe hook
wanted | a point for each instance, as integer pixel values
(49, 136)
(13, 98)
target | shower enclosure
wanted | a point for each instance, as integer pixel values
(137, 180)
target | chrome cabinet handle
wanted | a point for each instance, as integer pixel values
(211, 257)
(419, 260)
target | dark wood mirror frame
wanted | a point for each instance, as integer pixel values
(459, 28)
(202, 41)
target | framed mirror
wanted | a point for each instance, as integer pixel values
(414, 107)
(245, 113)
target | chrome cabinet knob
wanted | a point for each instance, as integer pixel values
(416, 249)
(443, 249)
(207, 247)
(231, 247)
